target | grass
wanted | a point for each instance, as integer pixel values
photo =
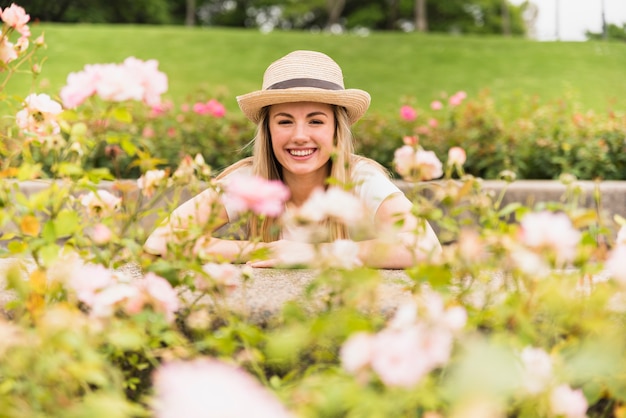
(396, 68)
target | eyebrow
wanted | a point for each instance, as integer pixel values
(309, 115)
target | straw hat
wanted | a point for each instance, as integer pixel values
(304, 76)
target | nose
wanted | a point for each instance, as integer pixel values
(300, 132)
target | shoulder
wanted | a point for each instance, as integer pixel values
(240, 167)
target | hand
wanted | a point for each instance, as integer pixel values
(284, 253)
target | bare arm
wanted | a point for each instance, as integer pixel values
(394, 249)
(202, 208)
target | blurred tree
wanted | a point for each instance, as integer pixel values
(611, 32)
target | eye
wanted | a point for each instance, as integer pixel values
(284, 122)
(316, 122)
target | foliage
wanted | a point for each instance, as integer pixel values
(511, 319)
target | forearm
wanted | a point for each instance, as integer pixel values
(228, 250)
(406, 250)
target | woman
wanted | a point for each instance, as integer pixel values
(303, 115)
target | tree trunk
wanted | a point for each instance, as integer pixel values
(335, 9)
(421, 20)
(506, 18)
(392, 17)
(190, 13)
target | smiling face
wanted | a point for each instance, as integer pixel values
(303, 138)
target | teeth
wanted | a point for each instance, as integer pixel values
(301, 152)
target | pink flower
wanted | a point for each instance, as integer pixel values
(146, 74)
(616, 264)
(159, 293)
(39, 115)
(569, 403)
(553, 231)
(428, 165)
(16, 17)
(537, 369)
(398, 358)
(334, 203)
(7, 51)
(150, 181)
(341, 253)
(457, 98)
(216, 108)
(134, 79)
(80, 86)
(100, 203)
(356, 353)
(101, 234)
(224, 274)
(436, 105)
(207, 387)
(408, 113)
(433, 123)
(410, 140)
(456, 156)
(252, 193)
(86, 280)
(403, 159)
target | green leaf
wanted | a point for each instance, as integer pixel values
(66, 223)
(122, 115)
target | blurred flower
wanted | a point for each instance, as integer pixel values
(408, 113)
(212, 107)
(16, 17)
(100, 202)
(206, 387)
(101, 234)
(334, 203)
(262, 197)
(7, 51)
(417, 164)
(156, 292)
(341, 253)
(134, 79)
(223, 274)
(457, 98)
(39, 116)
(436, 105)
(356, 352)
(433, 123)
(456, 156)
(150, 181)
(615, 264)
(537, 369)
(86, 280)
(569, 403)
(552, 231)
(410, 140)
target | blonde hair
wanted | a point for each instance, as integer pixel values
(265, 165)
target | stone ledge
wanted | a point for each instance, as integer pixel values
(527, 192)
(261, 297)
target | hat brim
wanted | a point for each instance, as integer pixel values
(355, 101)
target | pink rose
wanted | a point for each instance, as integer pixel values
(436, 105)
(457, 98)
(16, 17)
(149, 182)
(569, 403)
(101, 234)
(456, 156)
(100, 202)
(408, 113)
(403, 159)
(252, 193)
(356, 352)
(39, 115)
(7, 51)
(553, 231)
(207, 387)
(428, 165)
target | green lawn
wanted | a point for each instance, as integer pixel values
(396, 68)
